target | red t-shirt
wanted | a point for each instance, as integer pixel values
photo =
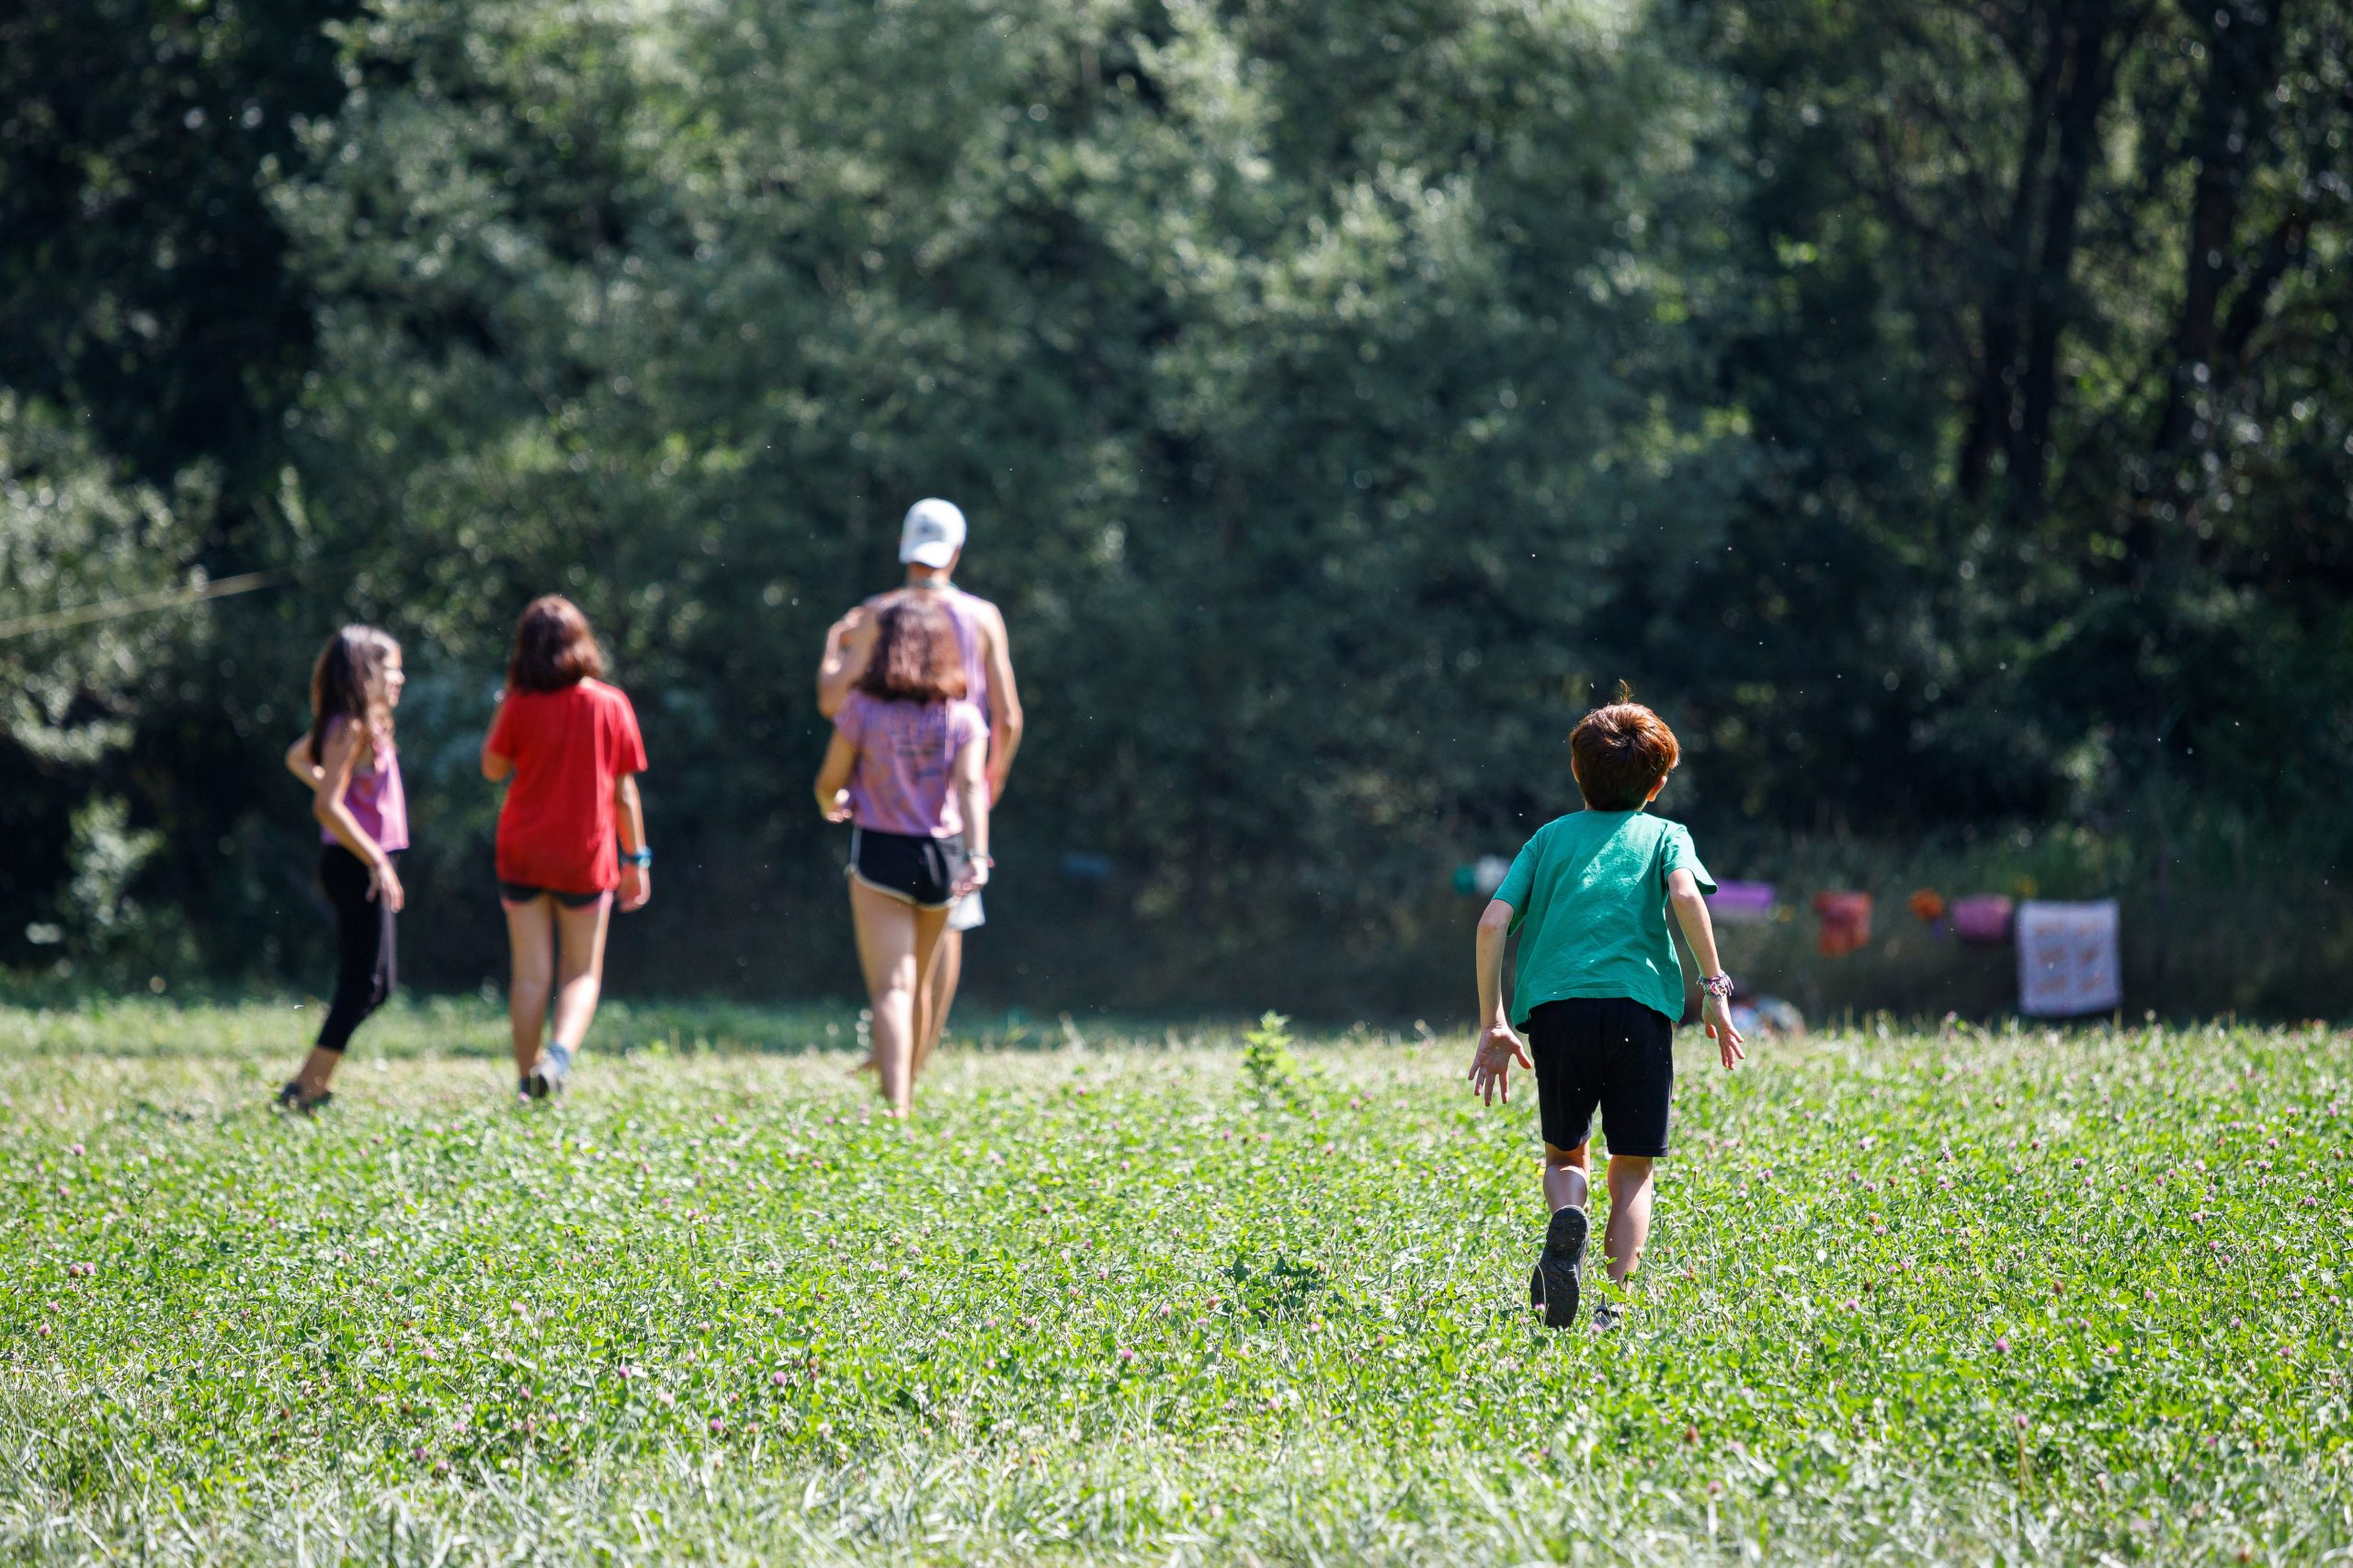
(556, 829)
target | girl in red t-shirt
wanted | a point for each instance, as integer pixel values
(570, 744)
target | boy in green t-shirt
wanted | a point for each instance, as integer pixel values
(1598, 988)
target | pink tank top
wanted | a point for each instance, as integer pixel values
(374, 796)
(965, 618)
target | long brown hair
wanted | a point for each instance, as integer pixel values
(916, 658)
(347, 682)
(553, 647)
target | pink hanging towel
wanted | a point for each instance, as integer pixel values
(1982, 919)
(2067, 963)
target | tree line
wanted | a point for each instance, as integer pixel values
(1938, 409)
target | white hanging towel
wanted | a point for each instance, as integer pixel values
(2067, 962)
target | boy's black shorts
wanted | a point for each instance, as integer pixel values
(1608, 1052)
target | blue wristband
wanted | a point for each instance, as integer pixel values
(638, 856)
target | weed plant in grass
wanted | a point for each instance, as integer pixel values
(1986, 1297)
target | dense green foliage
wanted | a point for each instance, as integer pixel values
(1911, 1298)
(1939, 411)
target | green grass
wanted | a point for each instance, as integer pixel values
(1994, 1298)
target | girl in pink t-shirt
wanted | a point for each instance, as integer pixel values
(908, 767)
(347, 763)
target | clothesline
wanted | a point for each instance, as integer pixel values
(2068, 960)
(140, 603)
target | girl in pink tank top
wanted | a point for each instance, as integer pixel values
(348, 763)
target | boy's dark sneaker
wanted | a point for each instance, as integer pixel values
(291, 1098)
(1560, 1268)
(1610, 1315)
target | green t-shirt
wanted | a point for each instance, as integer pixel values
(1588, 899)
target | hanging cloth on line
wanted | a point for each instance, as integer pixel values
(2067, 959)
(1983, 919)
(1845, 923)
(1741, 904)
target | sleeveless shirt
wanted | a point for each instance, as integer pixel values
(964, 615)
(374, 796)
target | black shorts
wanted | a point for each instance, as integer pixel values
(920, 870)
(523, 893)
(1608, 1052)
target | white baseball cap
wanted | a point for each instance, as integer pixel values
(932, 534)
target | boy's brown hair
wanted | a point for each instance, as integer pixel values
(916, 658)
(1621, 753)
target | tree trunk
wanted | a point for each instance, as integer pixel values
(2089, 79)
(2242, 65)
(2002, 315)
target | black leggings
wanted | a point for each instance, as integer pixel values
(363, 945)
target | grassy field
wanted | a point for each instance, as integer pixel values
(1988, 1297)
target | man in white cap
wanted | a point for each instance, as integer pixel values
(931, 541)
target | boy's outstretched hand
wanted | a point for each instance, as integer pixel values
(1716, 1014)
(1498, 1047)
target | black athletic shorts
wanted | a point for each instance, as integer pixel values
(920, 870)
(523, 893)
(1605, 1053)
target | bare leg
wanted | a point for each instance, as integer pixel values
(1629, 1214)
(931, 935)
(317, 1068)
(940, 994)
(580, 968)
(871, 1061)
(1565, 1179)
(886, 950)
(1556, 1282)
(530, 945)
